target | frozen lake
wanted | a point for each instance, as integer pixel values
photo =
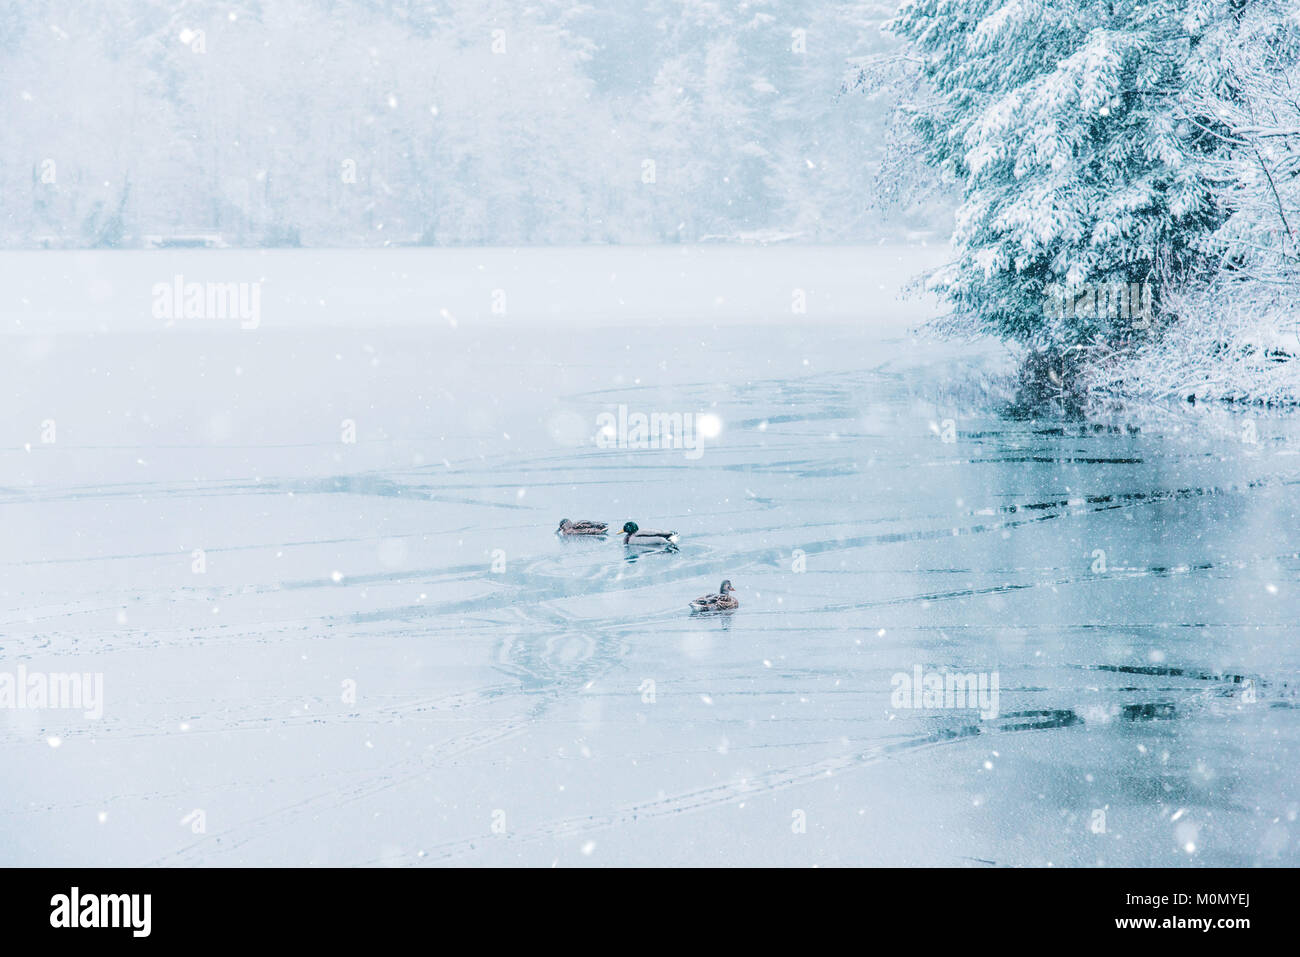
(314, 563)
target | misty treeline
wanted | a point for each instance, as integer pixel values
(1109, 153)
(359, 122)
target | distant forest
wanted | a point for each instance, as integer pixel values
(355, 122)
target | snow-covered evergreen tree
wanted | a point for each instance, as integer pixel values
(1061, 123)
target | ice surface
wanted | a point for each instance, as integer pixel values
(507, 716)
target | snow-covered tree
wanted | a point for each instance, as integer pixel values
(1061, 124)
(1236, 336)
(1256, 106)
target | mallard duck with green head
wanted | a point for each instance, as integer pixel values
(633, 534)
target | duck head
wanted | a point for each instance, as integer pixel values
(630, 528)
(563, 522)
(725, 587)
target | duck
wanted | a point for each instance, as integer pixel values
(633, 534)
(724, 600)
(582, 528)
